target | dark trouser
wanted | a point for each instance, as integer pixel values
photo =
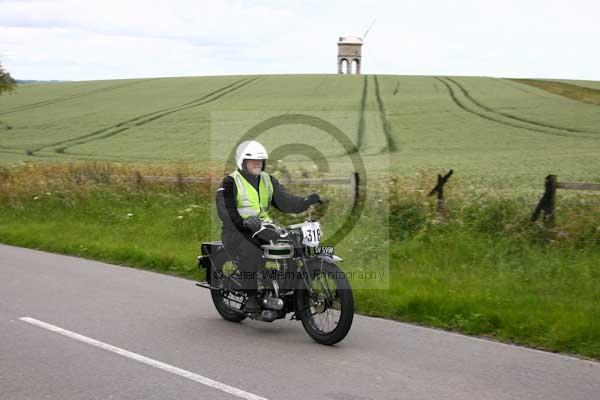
(248, 255)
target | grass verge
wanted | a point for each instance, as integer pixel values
(483, 269)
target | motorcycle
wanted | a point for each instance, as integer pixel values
(297, 277)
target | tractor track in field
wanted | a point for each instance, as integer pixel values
(318, 87)
(110, 131)
(360, 129)
(385, 122)
(92, 157)
(396, 88)
(75, 96)
(390, 146)
(8, 150)
(497, 117)
(512, 116)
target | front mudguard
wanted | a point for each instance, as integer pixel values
(301, 283)
(330, 257)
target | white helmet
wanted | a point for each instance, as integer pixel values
(250, 150)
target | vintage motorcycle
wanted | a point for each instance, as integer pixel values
(297, 276)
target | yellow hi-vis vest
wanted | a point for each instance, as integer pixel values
(249, 201)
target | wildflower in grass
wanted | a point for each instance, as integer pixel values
(129, 215)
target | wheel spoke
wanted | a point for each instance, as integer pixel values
(325, 305)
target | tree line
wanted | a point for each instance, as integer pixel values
(7, 83)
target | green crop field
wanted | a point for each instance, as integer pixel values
(491, 131)
(480, 268)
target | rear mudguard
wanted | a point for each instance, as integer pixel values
(212, 254)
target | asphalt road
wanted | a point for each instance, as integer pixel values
(122, 333)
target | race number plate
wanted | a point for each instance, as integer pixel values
(311, 233)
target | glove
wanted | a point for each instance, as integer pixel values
(312, 198)
(268, 234)
(252, 223)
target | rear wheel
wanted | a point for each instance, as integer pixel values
(227, 303)
(326, 312)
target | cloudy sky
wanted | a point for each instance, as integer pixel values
(80, 40)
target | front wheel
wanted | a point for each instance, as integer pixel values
(326, 312)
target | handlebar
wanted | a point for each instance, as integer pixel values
(278, 230)
(284, 232)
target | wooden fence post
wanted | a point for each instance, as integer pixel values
(547, 203)
(354, 188)
(439, 189)
(138, 178)
(180, 182)
(549, 214)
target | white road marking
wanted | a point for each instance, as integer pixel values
(157, 364)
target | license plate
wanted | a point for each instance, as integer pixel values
(324, 250)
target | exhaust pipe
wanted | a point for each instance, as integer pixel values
(267, 316)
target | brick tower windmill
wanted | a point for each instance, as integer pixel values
(350, 53)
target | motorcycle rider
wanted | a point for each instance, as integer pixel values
(243, 203)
